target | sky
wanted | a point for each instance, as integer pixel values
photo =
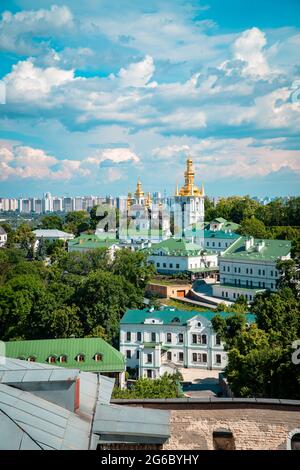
(96, 93)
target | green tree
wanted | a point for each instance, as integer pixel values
(167, 386)
(133, 266)
(253, 227)
(289, 275)
(51, 222)
(41, 250)
(76, 222)
(63, 322)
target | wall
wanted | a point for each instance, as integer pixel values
(258, 424)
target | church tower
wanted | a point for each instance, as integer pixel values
(189, 203)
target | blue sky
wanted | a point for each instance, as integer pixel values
(101, 92)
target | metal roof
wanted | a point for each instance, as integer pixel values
(168, 316)
(112, 359)
(270, 251)
(52, 233)
(118, 423)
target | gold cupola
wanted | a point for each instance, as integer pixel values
(139, 192)
(189, 188)
(148, 200)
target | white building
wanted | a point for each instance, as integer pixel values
(51, 235)
(3, 237)
(248, 266)
(177, 255)
(158, 341)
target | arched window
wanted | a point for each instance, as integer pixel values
(31, 359)
(80, 357)
(52, 359)
(176, 320)
(63, 358)
(98, 357)
(293, 442)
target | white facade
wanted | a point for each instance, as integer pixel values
(250, 269)
(188, 210)
(3, 237)
(155, 347)
(176, 264)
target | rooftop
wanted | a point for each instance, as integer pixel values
(93, 241)
(2, 231)
(176, 247)
(264, 250)
(52, 233)
(172, 316)
(112, 360)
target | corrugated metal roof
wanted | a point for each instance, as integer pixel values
(115, 423)
(52, 233)
(169, 315)
(112, 360)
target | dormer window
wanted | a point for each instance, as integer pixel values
(80, 358)
(52, 359)
(199, 324)
(21, 358)
(63, 358)
(176, 320)
(31, 359)
(98, 357)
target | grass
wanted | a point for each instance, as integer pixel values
(183, 305)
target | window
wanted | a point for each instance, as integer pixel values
(139, 336)
(219, 244)
(228, 269)
(226, 294)
(31, 359)
(199, 324)
(164, 265)
(222, 293)
(223, 440)
(235, 281)
(264, 272)
(158, 265)
(234, 294)
(239, 270)
(169, 356)
(180, 357)
(80, 358)
(235, 270)
(149, 358)
(224, 268)
(128, 354)
(251, 271)
(250, 297)
(153, 337)
(128, 336)
(63, 358)
(251, 283)
(171, 265)
(52, 359)
(272, 285)
(149, 374)
(226, 244)
(199, 339)
(213, 243)
(258, 283)
(194, 357)
(218, 358)
(169, 337)
(177, 266)
(247, 270)
(204, 357)
(203, 339)
(180, 338)
(264, 284)
(259, 272)
(271, 273)
(247, 282)
(138, 354)
(218, 340)
(98, 357)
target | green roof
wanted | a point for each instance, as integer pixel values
(86, 241)
(271, 250)
(220, 220)
(169, 316)
(176, 247)
(220, 234)
(41, 349)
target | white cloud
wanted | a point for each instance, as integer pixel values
(137, 74)
(29, 83)
(114, 155)
(16, 30)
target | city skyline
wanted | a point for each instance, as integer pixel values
(94, 101)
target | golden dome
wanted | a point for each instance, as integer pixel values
(139, 192)
(189, 188)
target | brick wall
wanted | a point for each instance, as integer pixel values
(255, 424)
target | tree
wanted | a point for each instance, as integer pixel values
(83, 263)
(41, 250)
(63, 322)
(289, 275)
(133, 266)
(25, 238)
(260, 355)
(51, 222)
(76, 222)
(253, 227)
(167, 386)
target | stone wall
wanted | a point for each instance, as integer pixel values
(254, 424)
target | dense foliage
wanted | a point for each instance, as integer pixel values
(167, 386)
(79, 294)
(260, 355)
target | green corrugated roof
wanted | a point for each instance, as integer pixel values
(92, 241)
(112, 360)
(220, 234)
(176, 247)
(272, 250)
(167, 316)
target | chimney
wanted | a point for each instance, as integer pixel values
(249, 243)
